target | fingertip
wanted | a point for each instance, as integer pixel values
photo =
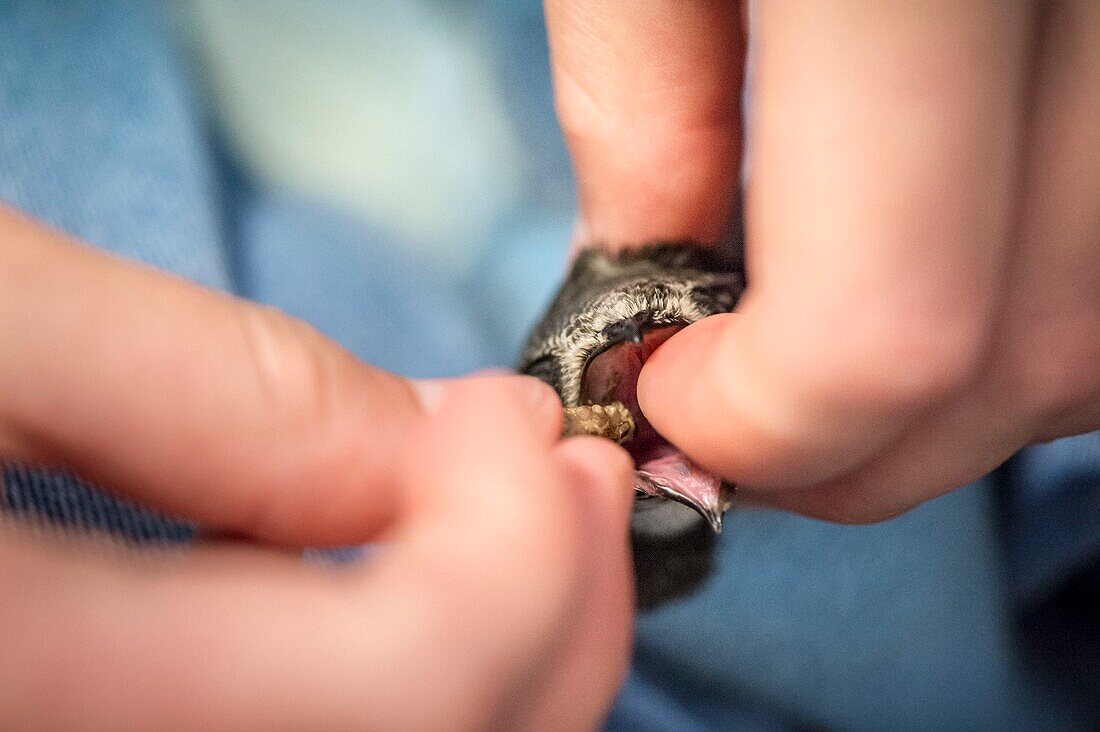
(430, 393)
(524, 398)
(541, 401)
(604, 469)
(684, 392)
(715, 391)
(679, 363)
(487, 451)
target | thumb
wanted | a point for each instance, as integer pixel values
(875, 304)
(705, 391)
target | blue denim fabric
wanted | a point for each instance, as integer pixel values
(375, 302)
(100, 137)
(1053, 515)
(902, 625)
(58, 498)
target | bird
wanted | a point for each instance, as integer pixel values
(611, 312)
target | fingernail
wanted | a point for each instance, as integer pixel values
(535, 393)
(538, 396)
(680, 359)
(492, 373)
(430, 393)
(580, 238)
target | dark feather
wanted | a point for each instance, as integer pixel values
(666, 283)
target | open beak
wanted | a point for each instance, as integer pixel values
(709, 499)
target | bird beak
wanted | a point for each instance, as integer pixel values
(710, 504)
(629, 330)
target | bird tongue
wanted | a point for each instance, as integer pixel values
(663, 471)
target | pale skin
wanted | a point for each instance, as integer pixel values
(502, 598)
(922, 210)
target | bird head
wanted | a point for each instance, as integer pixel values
(612, 312)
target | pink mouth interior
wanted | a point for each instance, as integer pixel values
(662, 470)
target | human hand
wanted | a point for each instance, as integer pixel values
(501, 594)
(921, 220)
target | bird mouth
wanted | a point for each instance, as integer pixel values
(662, 472)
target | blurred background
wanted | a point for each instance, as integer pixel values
(430, 122)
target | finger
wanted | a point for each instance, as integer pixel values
(1045, 374)
(942, 453)
(648, 96)
(1045, 382)
(489, 557)
(883, 146)
(189, 401)
(453, 614)
(576, 688)
(1054, 330)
